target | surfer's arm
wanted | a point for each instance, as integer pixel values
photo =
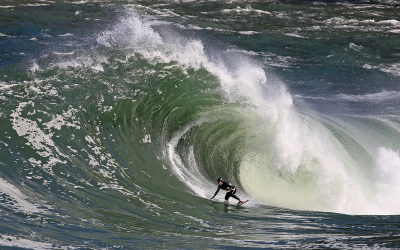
(216, 192)
(230, 187)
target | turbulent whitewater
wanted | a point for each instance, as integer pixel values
(118, 118)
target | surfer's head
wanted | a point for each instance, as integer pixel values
(219, 179)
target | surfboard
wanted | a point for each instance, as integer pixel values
(242, 203)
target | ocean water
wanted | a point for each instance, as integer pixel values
(117, 118)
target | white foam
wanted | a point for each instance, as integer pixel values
(190, 174)
(35, 67)
(301, 165)
(4, 86)
(355, 47)
(246, 10)
(294, 35)
(194, 219)
(146, 139)
(19, 201)
(20, 242)
(39, 140)
(387, 182)
(391, 22)
(374, 97)
(88, 61)
(248, 32)
(130, 30)
(67, 34)
(393, 69)
(61, 120)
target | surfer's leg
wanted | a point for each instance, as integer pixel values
(228, 194)
(232, 193)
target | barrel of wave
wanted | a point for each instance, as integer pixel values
(298, 163)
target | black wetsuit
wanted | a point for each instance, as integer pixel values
(227, 186)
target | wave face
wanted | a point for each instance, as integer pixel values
(116, 139)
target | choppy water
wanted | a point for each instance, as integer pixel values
(117, 117)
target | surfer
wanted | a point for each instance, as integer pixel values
(231, 190)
